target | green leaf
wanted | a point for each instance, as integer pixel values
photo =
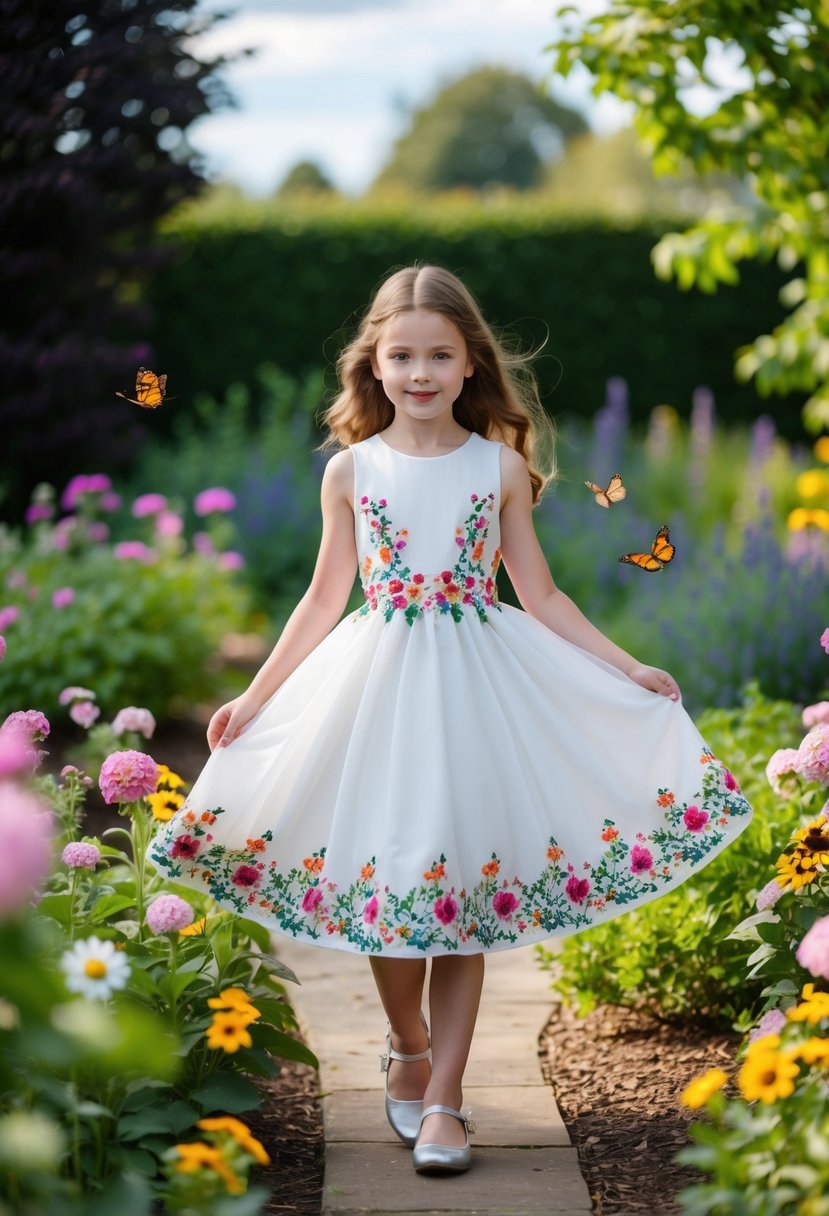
(227, 1091)
(282, 1045)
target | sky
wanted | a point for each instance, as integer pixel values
(334, 80)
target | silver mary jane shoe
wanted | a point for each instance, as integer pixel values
(404, 1117)
(443, 1158)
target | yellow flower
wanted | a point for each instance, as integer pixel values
(801, 518)
(813, 839)
(767, 1074)
(813, 1051)
(821, 449)
(196, 1156)
(812, 484)
(164, 804)
(796, 870)
(813, 1008)
(237, 1000)
(194, 929)
(225, 1123)
(701, 1088)
(229, 1031)
(167, 777)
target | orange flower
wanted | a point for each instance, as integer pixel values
(496, 560)
(314, 864)
(367, 872)
(665, 799)
(366, 567)
(256, 845)
(403, 931)
(413, 591)
(491, 868)
(439, 871)
(554, 852)
(610, 833)
(207, 817)
(536, 916)
(189, 817)
(478, 551)
(385, 554)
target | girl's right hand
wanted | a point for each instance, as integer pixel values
(229, 721)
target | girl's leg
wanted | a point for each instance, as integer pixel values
(400, 986)
(454, 995)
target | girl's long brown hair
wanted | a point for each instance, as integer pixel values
(499, 400)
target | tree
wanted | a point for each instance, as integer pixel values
(304, 178)
(742, 89)
(490, 127)
(96, 101)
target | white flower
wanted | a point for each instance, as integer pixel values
(95, 969)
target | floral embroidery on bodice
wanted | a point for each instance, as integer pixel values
(427, 529)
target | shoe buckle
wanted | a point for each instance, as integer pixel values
(470, 1123)
(384, 1062)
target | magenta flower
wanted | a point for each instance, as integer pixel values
(641, 859)
(446, 909)
(25, 847)
(84, 483)
(813, 755)
(769, 895)
(134, 718)
(185, 846)
(9, 615)
(2, 648)
(169, 523)
(98, 531)
(127, 776)
(133, 550)
(576, 889)
(30, 722)
(85, 713)
(79, 855)
(246, 876)
(813, 951)
(168, 914)
(504, 904)
(231, 560)
(203, 543)
(311, 899)
(730, 781)
(772, 1022)
(813, 715)
(694, 819)
(371, 910)
(75, 692)
(17, 752)
(780, 772)
(63, 597)
(110, 501)
(148, 504)
(37, 512)
(824, 640)
(215, 499)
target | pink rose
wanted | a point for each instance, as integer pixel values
(641, 859)
(694, 819)
(311, 899)
(813, 951)
(370, 911)
(168, 914)
(445, 909)
(576, 889)
(127, 776)
(26, 826)
(504, 904)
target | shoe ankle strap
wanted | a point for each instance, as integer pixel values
(391, 1054)
(449, 1110)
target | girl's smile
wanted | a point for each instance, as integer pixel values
(422, 361)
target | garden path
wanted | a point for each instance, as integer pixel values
(523, 1160)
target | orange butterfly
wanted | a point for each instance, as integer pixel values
(150, 390)
(662, 552)
(615, 491)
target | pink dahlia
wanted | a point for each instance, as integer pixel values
(504, 904)
(815, 714)
(78, 855)
(769, 895)
(134, 718)
(576, 889)
(813, 951)
(85, 713)
(446, 909)
(30, 722)
(215, 499)
(694, 819)
(641, 859)
(25, 846)
(813, 755)
(371, 910)
(168, 914)
(780, 772)
(148, 504)
(127, 776)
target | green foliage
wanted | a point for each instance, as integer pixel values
(767, 124)
(302, 179)
(299, 276)
(673, 955)
(481, 130)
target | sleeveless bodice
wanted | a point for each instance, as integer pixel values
(427, 529)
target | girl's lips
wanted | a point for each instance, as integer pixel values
(422, 396)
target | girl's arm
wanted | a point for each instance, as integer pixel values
(317, 612)
(537, 592)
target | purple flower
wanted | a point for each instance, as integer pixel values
(75, 692)
(127, 776)
(694, 819)
(215, 499)
(446, 909)
(371, 910)
(31, 722)
(230, 560)
(769, 895)
(133, 550)
(772, 1022)
(37, 512)
(641, 859)
(504, 904)
(576, 889)
(824, 640)
(85, 713)
(148, 504)
(78, 855)
(815, 714)
(9, 615)
(25, 846)
(169, 523)
(813, 951)
(84, 483)
(134, 718)
(62, 597)
(311, 899)
(168, 914)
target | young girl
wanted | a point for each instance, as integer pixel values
(439, 775)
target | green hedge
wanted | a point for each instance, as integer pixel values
(283, 286)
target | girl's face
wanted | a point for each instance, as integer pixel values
(422, 360)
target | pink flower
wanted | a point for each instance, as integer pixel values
(78, 855)
(231, 560)
(133, 718)
(215, 499)
(371, 910)
(446, 909)
(203, 543)
(62, 597)
(2, 648)
(311, 899)
(780, 772)
(17, 753)
(127, 776)
(694, 820)
(37, 512)
(815, 714)
(813, 951)
(504, 904)
(824, 640)
(30, 721)
(576, 889)
(168, 913)
(110, 501)
(641, 859)
(148, 504)
(813, 755)
(85, 713)
(246, 876)
(169, 523)
(769, 895)
(98, 531)
(9, 615)
(730, 781)
(84, 483)
(25, 846)
(772, 1022)
(185, 846)
(133, 550)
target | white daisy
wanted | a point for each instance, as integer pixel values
(95, 969)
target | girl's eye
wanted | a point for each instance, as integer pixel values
(441, 354)
(399, 357)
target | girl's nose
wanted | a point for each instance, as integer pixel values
(420, 374)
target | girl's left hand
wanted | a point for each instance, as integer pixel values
(656, 680)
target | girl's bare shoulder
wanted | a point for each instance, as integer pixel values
(338, 478)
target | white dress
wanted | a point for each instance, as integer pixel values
(443, 773)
